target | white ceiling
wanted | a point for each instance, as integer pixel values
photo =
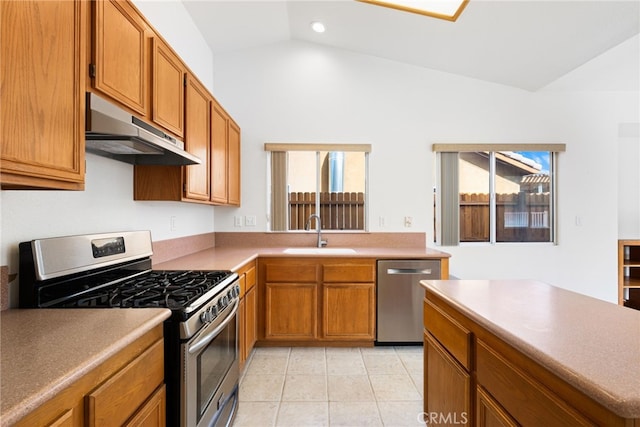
(525, 44)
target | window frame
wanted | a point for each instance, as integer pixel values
(275, 196)
(447, 232)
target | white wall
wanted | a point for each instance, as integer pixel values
(299, 92)
(107, 202)
(628, 179)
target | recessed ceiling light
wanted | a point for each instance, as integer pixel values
(317, 26)
(443, 9)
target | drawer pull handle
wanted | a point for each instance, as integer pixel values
(408, 271)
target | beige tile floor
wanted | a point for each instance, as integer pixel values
(301, 386)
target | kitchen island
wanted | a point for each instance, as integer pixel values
(521, 352)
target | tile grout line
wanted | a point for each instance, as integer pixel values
(284, 382)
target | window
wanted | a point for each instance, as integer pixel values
(495, 193)
(329, 180)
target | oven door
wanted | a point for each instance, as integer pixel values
(210, 374)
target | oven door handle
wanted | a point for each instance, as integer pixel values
(209, 336)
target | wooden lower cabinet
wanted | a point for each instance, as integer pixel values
(291, 311)
(347, 310)
(247, 312)
(125, 390)
(305, 300)
(470, 370)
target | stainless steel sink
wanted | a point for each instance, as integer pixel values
(319, 251)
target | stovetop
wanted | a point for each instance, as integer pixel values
(175, 290)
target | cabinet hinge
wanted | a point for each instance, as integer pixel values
(92, 70)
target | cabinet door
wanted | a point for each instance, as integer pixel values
(197, 140)
(168, 88)
(291, 311)
(251, 324)
(234, 164)
(447, 383)
(152, 413)
(242, 335)
(43, 85)
(120, 54)
(348, 311)
(219, 140)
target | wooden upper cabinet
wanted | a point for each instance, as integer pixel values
(225, 158)
(219, 139)
(233, 165)
(168, 79)
(197, 140)
(42, 81)
(120, 54)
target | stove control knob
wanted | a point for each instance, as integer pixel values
(206, 316)
(214, 311)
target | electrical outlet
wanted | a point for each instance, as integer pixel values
(250, 220)
(237, 221)
(382, 222)
(172, 223)
(408, 221)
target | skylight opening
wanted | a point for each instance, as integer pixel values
(442, 9)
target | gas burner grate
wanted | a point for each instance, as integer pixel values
(167, 289)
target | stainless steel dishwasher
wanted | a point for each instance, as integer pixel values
(400, 297)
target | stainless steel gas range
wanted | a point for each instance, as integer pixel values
(113, 270)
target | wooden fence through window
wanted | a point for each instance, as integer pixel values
(520, 217)
(338, 211)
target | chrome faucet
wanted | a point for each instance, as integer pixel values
(307, 227)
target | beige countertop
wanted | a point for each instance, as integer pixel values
(589, 343)
(232, 258)
(46, 350)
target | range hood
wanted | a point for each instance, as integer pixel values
(112, 132)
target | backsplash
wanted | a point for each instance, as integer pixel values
(165, 250)
(335, 240)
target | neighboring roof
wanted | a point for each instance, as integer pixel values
(536, 178)
(519, 161)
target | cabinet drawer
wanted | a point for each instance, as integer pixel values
(361, 273)
(291, 273)
(526, 400)
(452, 335)
(121, 395)
(250, 278)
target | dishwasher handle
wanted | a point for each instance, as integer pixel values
(408, 271)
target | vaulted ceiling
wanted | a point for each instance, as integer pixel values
(524, 44)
